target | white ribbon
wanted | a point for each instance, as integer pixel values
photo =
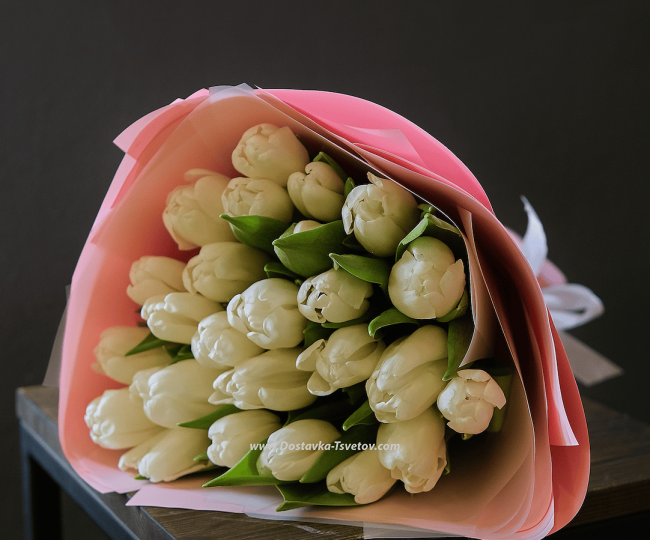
(533, 244)
(570, 304)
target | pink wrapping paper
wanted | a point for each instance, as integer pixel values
(529, 480)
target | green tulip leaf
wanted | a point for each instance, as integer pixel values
(363, 416)
(206, 421)
(245, 472)
(389, 317)
(256, 231)
(350, 443)
(299, 495)
(148, 343)
(171, 349)
(368, 269)
(201, 457)
(349, 186)
(435, 227)
(459, 337)
(182, 353)
(315, 331)
(356, 393)
(322, 156)
(503, 377)
(352, 244)
(458, 311)
(274, 269)
(427, 209)
(140, 477)
(307, 253)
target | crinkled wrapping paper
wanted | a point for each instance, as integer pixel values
(527, 481)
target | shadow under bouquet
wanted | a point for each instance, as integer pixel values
(299, 301)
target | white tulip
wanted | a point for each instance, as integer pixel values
(117, 421)
(334, 296)
(175, 317)
(257, 197)
(267, 312)
(131, 459)
(169, 455)
(115, 342)
(291, 451)
(268, 381)
(192, 214)
(152, 305)
(319, 193)
(216, 344)
(152, 276)
(233, 435)
(408, 377)
(348, 357)
(469, 399)
(224, 269)
(363, 476)
(414, 451)
(305, 225)
(380, 214)
(177, 393)
(266, 151)
(427, 282)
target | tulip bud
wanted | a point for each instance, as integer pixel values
(152, 276)
(175, 317)
(380, 214)
(268, 381)
(117, 421)
(168, 456)
(216, 344)
(257, 197)
(177, 393)
(348, 357)
(267, 312)
(427, 282)
(408, 377)
(233, 435)
(222, 270)
(319, 193)
(363, 476)
(469, 399)
(266, 151)
(114, 343)
(334, 296)
(414, 451)
(291, 451)
(192, 215)
(305, 225)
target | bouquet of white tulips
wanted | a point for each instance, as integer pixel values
(324, 353)
(272, 305)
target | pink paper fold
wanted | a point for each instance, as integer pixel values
(536, 469)
(358, 121)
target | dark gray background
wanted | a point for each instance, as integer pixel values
(543, 99)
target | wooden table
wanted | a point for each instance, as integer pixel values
(619, 485)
